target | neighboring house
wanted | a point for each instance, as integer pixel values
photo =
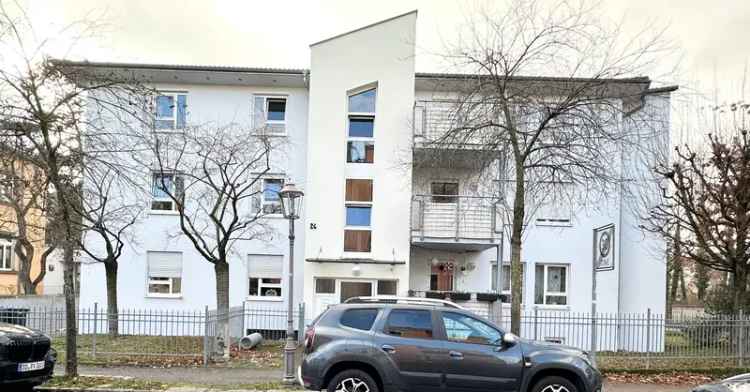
(376, 221)
(14, 173)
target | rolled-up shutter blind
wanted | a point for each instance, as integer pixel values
(264, 266)
(165, 264)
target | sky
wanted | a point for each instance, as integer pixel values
(711, 37)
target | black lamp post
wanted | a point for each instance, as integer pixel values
(291, 202)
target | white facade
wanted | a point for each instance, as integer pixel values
(384, 231)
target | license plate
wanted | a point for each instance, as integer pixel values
(30, 366)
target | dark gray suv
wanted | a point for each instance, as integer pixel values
(398, 344)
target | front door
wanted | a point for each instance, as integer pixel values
(410, 350)
(351, 289)
(474, 357)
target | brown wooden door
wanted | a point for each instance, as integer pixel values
(443, 278)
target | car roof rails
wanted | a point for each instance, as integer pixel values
(392, 299)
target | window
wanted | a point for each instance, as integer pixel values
(387, 287)
(361, 128)
(465, 329)
(264, 276)
(410, 323)
(271, 201)
(164, 185)
(171, 110)
(6, 255)
(359, 318)
(358, 234)
(325, 286)
(551, 284)
(441, 277)
(557, 210)
(444, 192)
(506, 286)
(7, 183)
(164, 274)
(269, 113)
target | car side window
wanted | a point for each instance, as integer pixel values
(464, 329)
(410, 323)
(359, 318)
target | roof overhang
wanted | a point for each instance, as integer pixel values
(193, 74)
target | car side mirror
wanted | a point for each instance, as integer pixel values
(509, 339)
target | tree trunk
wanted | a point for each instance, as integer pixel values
(221, 268)
(674, 282)
(110, 268)
(516, 269)
(71, 325)
(24, 251)
(739, 289)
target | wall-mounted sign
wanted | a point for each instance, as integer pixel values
(604, 248)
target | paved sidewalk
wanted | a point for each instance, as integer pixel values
(228, 376)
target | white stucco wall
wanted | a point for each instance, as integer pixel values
(208, 105)
(381, 54)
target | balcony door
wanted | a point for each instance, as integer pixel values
(441, 277)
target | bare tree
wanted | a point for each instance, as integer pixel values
(559, 139)
(708, 203)
(25, 189)
(43, 100)
(212, 177)
(107, 214)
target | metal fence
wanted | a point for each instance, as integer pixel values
(149, 335)
(188, 337)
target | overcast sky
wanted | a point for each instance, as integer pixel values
(277, 33)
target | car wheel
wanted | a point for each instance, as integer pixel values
(352, 380)
(554, 384)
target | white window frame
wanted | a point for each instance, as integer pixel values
(263, 200)
(157, 280)
(7, 246)
(262, 286)
(367, 115)
(173, 118)
(546, 293)
(369, 204)
(493, 280)
(557, 220)
(173, 209)
(281, 125)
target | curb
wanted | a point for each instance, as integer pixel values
(92, 389)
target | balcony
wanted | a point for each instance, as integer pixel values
(434, 143)
(455, 223)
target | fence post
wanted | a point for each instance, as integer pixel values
(205, 337)
(536, 318)
(93, 336)
(301, 323)
(740, 337)
(648, 338)
(593, 335)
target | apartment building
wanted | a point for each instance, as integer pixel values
(378, 220)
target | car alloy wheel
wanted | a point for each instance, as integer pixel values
(555, 388)
(353, 384)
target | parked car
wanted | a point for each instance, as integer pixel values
(740, 383)
(371, 344)
(26, 357)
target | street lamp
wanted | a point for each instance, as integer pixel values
(291, 201)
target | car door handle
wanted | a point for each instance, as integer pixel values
(456, 355)
(388, 348)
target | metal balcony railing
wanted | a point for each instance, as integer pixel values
(439, 123)
(456, 218)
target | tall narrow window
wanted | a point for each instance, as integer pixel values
(358, 232)
(506, 286)
(6, 255)
(171, 111)
(361, 127)
(271, 202)
(269, 114)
